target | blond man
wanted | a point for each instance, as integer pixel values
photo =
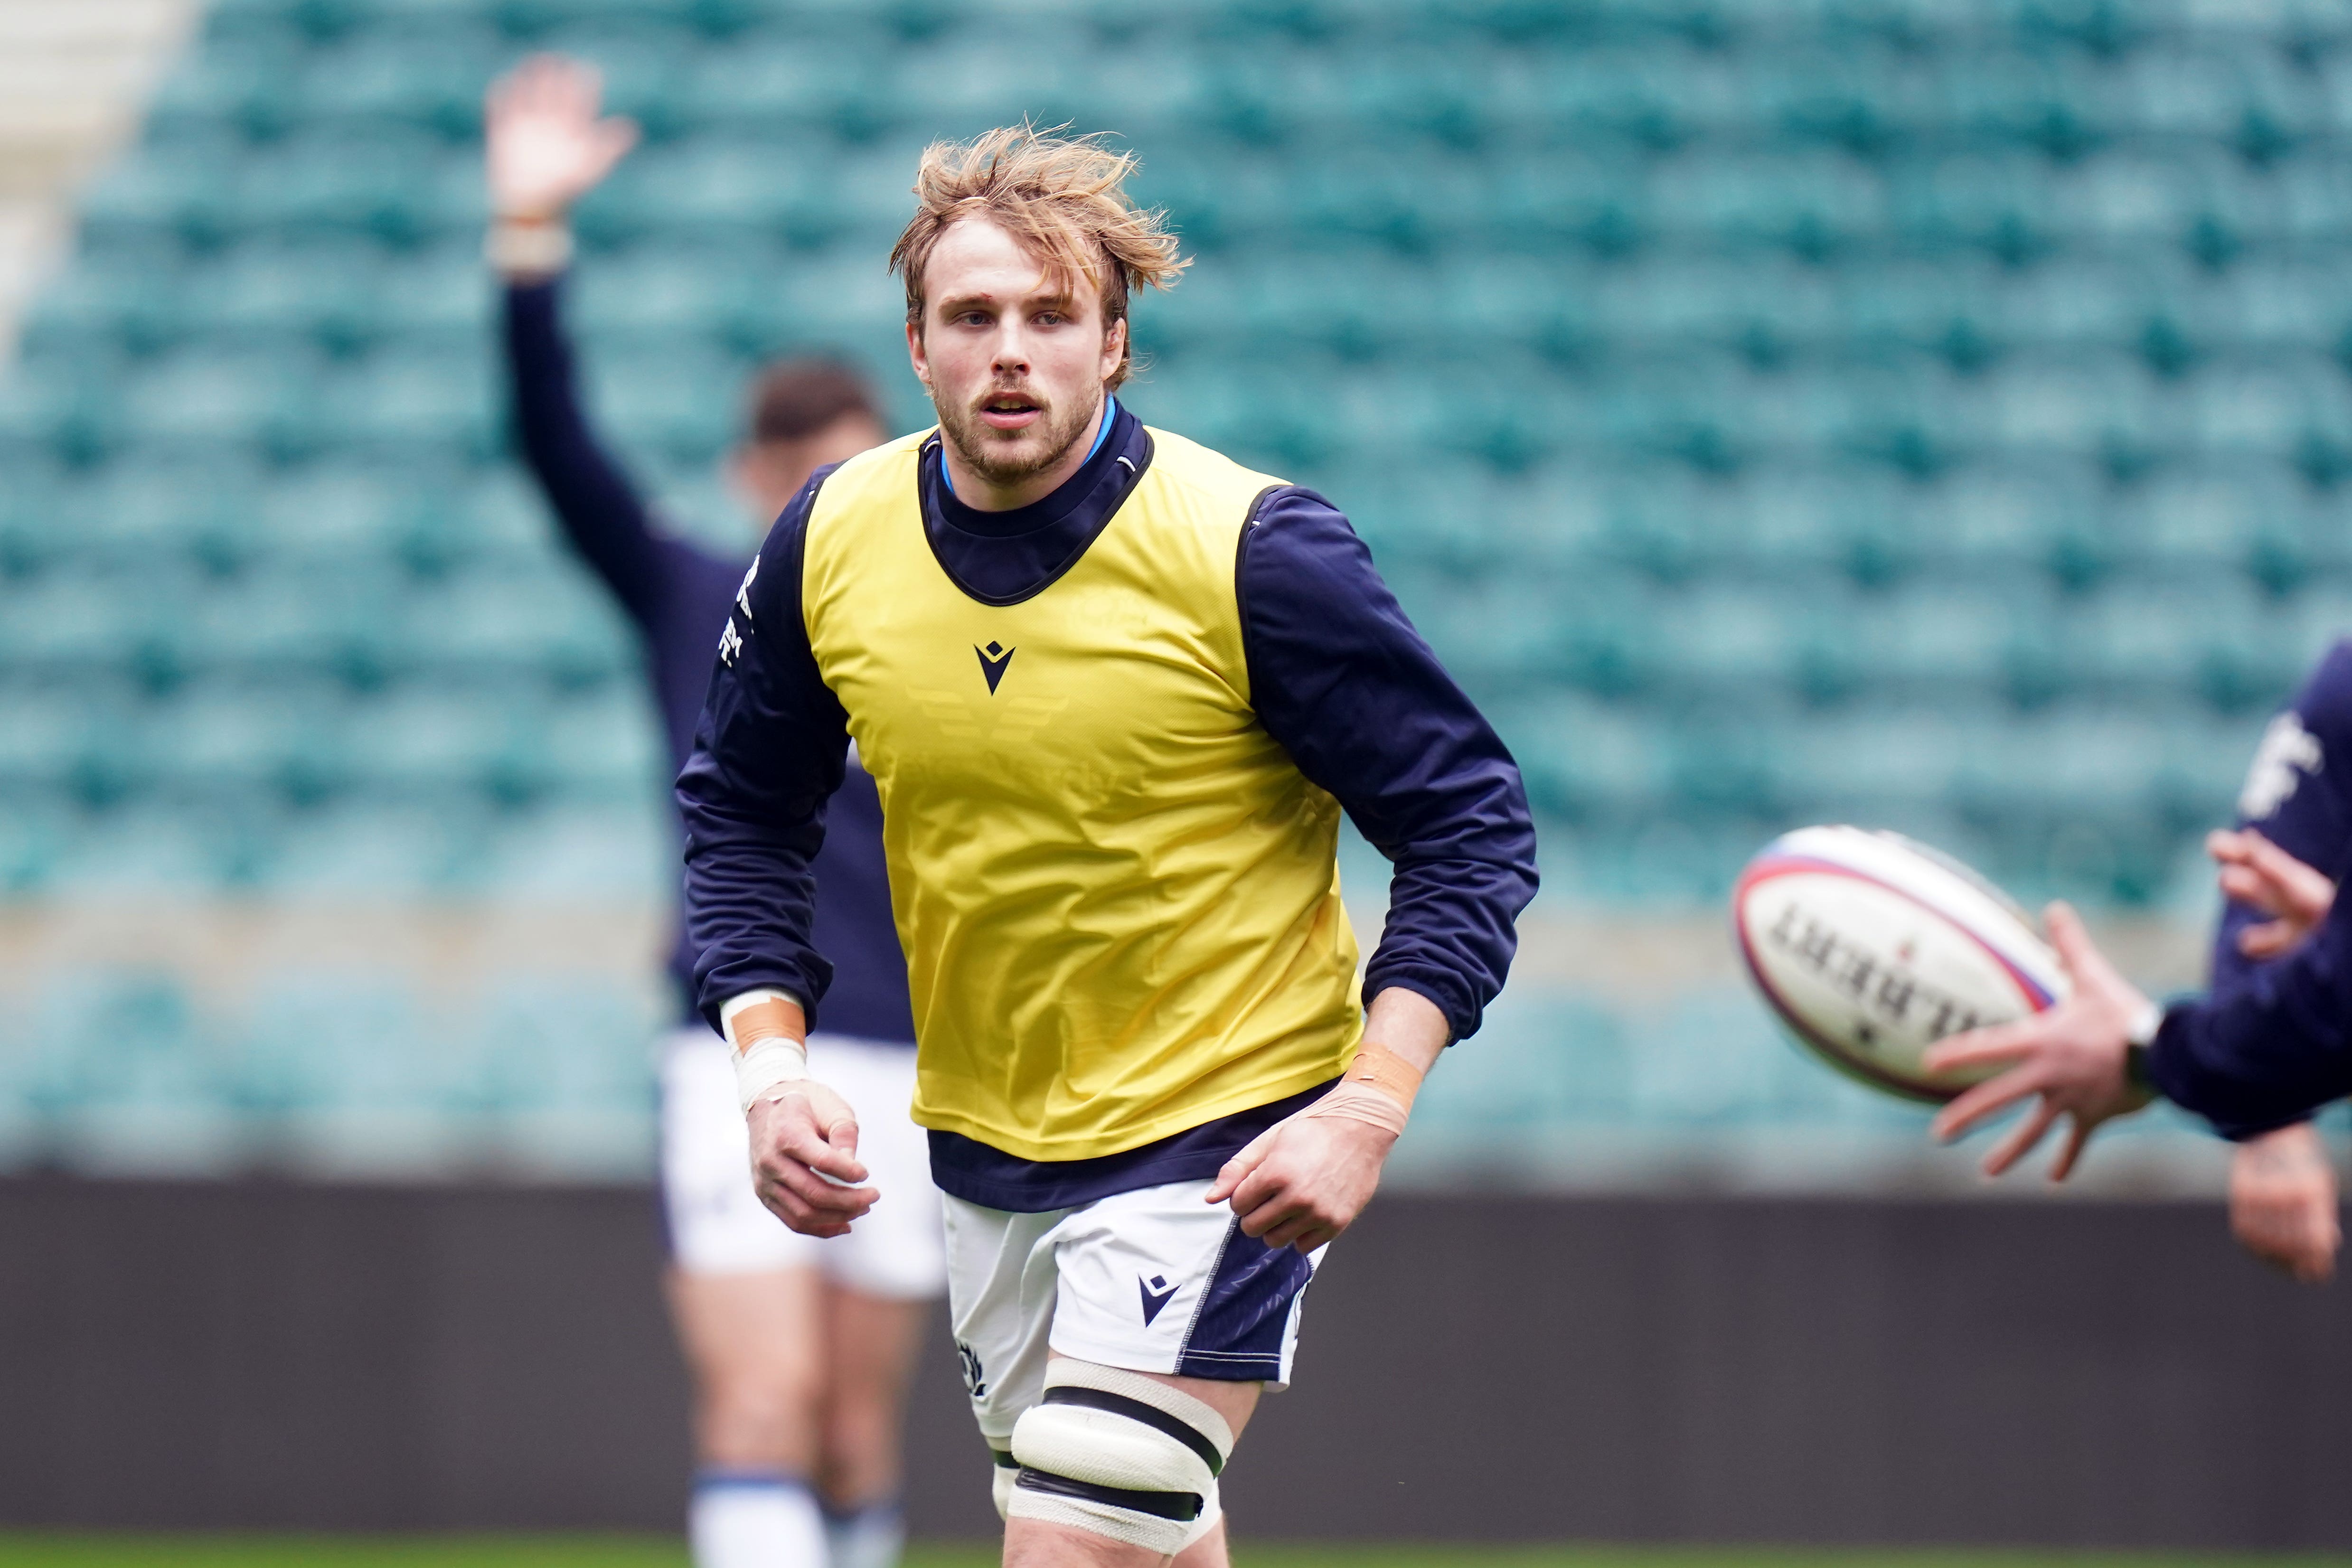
(1116, 691)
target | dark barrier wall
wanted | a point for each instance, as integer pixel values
(262, 1354)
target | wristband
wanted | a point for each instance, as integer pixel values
(527, 248)
(763, 1031)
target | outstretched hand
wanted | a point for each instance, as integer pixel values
(800, 1135)
(545, 146)
(2073, 1056)
(2257, 873)
(2283, 1204)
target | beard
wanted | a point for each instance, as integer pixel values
(1005, 458)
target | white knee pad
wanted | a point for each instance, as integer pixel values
(1121, 1455)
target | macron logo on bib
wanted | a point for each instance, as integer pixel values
(992, 660)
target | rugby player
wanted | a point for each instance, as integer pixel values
(1116, 690)
(2252, 1057)
(2295, 816)
(800, 1349)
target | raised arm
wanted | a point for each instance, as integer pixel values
(545, 148)
(599, 511)
(1341, 677)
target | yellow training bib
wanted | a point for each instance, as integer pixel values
(1118, 897)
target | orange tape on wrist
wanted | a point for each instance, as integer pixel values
(1379, 1068)
(1377, 1090)
(774, 1018)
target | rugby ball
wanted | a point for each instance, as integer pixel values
(1872, 947)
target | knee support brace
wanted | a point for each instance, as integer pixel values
(1121, 1455)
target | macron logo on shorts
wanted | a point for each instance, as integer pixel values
(1157, 1293)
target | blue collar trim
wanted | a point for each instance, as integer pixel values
(1102, 434)
(1102, 426)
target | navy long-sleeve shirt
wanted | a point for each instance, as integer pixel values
(2273, 1051)
(1337, 675)
(2263, 1051)
(679, 596)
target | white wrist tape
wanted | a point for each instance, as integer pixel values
(515, 248)
(767, 1059)
(767, 1067)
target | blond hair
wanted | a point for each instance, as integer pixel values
(1060, 199)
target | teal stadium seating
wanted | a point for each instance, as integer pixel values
(1919, 414)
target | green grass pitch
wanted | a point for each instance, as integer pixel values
(45, 1550)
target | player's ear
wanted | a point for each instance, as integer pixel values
(1114, 353)
(916, 356)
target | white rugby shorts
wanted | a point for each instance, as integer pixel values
(716, 1223)
(1151, 1280)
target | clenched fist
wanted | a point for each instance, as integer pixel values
(802, 1133)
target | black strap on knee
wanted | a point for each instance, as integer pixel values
(1183, 1507)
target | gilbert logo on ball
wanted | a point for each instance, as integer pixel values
(1872, 947)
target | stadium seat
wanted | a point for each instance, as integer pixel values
(407, 404)
(570, 1079)
(427, 76)
(1864, 413)
(123, 1076)
(370, 845)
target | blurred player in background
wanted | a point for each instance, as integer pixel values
(799, 1348)
(2270, 1043)
(1117, 691)
(2294, 818)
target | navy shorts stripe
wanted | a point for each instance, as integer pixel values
(1236, 1336)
